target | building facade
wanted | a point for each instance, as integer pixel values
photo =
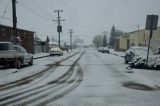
(139, 38)
(25, 37)
(41, 46)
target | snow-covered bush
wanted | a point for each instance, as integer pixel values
(136, 56)
(139, 62)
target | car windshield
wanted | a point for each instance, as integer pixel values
(4, 46)
(55, 48)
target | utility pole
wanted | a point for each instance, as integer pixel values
(70, 38)
(78, 41)
(59, 27)
(14, 21)
(138, 36)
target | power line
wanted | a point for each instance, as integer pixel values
(6, 18)
(22, 24)
(40, 7)
(33, 11)
(35, 4)
(9, 19)
(5, 10)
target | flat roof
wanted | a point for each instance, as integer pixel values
(17, 28)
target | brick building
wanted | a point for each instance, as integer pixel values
(26, 37)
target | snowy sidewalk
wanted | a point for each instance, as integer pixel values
(117, 53)
(40, 55)
(146, 76)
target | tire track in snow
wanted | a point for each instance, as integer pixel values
(34, 76)
(58, 80)
(28, 80)
(65, 92)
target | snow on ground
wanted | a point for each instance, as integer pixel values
(118, 53)
(146, 76)
(11, 75)
(103, 76)
(39, 55)
(102, 85)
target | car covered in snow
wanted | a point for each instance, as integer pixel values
(135, 51)
(99, 49)
(103, 49)
(26, 58)
(55, 51)
(14, 55)
(136, 56)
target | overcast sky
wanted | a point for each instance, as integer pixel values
(87, 18)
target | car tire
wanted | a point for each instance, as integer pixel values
(126, 62)
(17, 64)
(31, 62)
(127, 59)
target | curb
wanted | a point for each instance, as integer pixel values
(40, 57)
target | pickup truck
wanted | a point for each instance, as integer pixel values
(14, 55)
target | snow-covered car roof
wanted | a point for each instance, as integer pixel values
(55, 48)
(139, 47)
(104, 48)
(139, 50)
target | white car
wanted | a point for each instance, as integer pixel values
(26, 58)
(14, 55)
(56, 51)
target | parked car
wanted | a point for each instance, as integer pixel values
(99, 49)
(14, 55)
(64, 49)
(56, 51)
(105, 50)
(135, 51)
(136, 56)
(26, 58)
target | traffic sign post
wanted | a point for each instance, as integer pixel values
(59, 28)
(151, 24)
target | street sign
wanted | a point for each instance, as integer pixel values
(151, 22)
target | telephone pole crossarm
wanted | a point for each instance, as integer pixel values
(59, 27)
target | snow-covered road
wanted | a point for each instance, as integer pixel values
(86, 78)
(105, 84)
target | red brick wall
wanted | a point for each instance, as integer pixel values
(27, 37)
